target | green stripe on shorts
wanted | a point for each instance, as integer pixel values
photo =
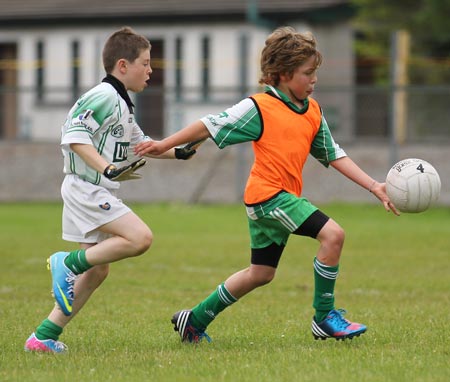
(274, 220)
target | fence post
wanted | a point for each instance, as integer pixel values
(399, 80)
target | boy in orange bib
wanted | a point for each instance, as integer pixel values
(285, 125)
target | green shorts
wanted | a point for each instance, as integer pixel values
(273, 221)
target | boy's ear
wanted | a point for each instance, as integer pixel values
(122, 65)
(285, 77)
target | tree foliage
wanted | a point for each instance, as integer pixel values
(429, 28)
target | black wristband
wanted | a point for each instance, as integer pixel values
(108, 172)
(183, 153)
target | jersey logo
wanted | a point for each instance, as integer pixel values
(212, 120)
(105, 206)
(121, 151)
(118, 131)
(85, 120)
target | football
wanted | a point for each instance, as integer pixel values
(413, 185)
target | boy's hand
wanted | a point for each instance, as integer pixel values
(150, 147)
(379, 190)
(124, 173)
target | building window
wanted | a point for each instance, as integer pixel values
(40, 70)
(205, 67)
(178, 68)
(75, 69)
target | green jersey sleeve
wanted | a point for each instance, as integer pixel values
(324, 148)
(239, 123)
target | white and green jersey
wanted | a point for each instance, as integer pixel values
(242, 123)
(100, 118)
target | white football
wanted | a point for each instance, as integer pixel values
(413, 185)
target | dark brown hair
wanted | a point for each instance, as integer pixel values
(124, 43)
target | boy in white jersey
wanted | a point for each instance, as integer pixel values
(97, 140)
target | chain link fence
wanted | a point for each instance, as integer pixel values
(352, 113)
(359, 117)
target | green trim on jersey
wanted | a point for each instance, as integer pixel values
(72, 163)
(79, 129)
(231, 130)
(102, 142)
(324, 148)
(286, 99)
(248, 125)
(242, 123)
(102, 103)
(102, 119)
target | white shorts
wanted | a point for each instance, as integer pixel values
(86, 208)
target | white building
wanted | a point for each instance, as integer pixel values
(205, 56)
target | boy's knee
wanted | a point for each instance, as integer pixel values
(261, 278)
(147, 240)
(334, 234)
(339, 235)
(143, 241)
(265, 279)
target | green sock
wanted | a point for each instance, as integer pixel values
(208, 309)
(76, 261)
(48, 330)
(324, 281)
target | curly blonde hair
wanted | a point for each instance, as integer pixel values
(284, 51)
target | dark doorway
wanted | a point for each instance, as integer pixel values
(8, 96)
(150, 103)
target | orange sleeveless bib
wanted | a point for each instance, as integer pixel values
(282, 149)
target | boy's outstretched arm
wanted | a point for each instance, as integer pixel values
(193, 132)
(351, 170)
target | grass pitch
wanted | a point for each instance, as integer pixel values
(394, 277)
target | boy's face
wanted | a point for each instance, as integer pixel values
(301, 84)
(138, 72)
